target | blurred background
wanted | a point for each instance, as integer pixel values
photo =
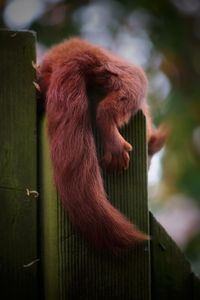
(164, 38)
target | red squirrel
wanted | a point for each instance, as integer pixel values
(63, 76)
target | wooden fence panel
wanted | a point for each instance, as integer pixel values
(172, 277)
(50, 211)
(73, 269)
(18, 164)
(70, 268)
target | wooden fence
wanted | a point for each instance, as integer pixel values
(41, 254)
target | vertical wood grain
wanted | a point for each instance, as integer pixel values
(18, 165)
(171, 272)
(50, 210)
(80, 271)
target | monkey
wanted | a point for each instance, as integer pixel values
(64, 75)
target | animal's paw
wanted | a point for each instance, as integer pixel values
(116, 157)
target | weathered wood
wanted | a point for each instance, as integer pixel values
(50, 231)
(80, 271)
(18, 213)
(170, 271)
(195, 287)
(70, 267)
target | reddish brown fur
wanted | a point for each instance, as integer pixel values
(66, 71)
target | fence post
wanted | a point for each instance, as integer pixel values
(171, 273)
(72, 268)
(18, 210)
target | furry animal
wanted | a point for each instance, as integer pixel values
(64, 75)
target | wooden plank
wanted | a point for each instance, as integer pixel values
(80, 271)
(18, 252)
(18, 214)
(196, 287)
(50, 210)
(170, 271)
(18, 109)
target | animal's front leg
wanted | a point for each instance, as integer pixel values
(116, 149)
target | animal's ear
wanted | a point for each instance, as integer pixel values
(158, 139)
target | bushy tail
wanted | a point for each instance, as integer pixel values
(76, 169)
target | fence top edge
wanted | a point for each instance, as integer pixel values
(18, 32)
